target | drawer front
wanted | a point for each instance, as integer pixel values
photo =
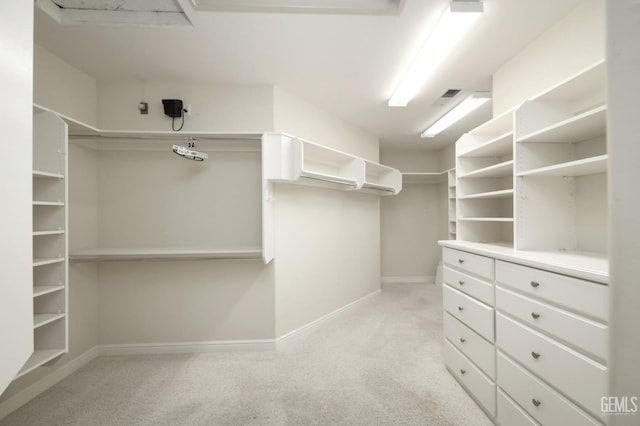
(584, 334)
(478, 385)
(476, 315)
(542, 402)
(578, 377)
(478, 350)
(510, 414)
(475, 287)
(469, 262)
(571, 293)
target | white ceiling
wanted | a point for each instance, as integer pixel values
(346, 63)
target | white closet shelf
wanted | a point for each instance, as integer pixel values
(38, 358)
(157, 254)
(47, 261)
(504, 193)
(48, 203)
(578, 128)
(496, 170)
(41, 290)
(500, 145)
(486, 219)
(47, 175)
(497, 126)
(420, 177)
(53, 232)
(379, 187)
(42, 319)
(583, 82)
(587, 166)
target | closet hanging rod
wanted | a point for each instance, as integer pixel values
(329, 179)
(378, 187)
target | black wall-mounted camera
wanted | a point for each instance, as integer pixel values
(172, 107)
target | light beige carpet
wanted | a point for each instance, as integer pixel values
(379, 363)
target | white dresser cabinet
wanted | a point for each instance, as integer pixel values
(469, 324)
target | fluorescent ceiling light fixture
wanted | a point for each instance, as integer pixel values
(456, 20)
(366, 7)
(465, 107)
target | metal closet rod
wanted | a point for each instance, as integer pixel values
(169, 137)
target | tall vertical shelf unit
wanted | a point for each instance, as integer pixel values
(484, 190)
(532, 229)
(50, 240)
(451, 203)
(561, 168)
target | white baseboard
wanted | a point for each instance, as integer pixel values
(309, 327)
(27, 394)
(427, 279)
(186, 347)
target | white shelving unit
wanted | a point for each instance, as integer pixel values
(534, 201)
(50, 241)
(423, 177)
(292, 160)
(451, 203)
(561, 167)
(484, 184)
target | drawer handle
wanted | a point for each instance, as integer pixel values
(535, 315)
(460, 260)
(536, 402)
(463, 371)
(460, 308)
(535, 284)
(535, 355)
(462, 340)
(461, 282)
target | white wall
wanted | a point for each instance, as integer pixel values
(623, 60)
(63, 88)
(411, 221)
(215, 107)
(16, 304)
(572, 44)
(298, 117)
(327, 248)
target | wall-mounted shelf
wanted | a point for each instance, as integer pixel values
(164, 254)
(587, 166)
(41, 290)
(502, 169)
(289, 159)
(504, 193)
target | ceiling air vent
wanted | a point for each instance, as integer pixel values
(451, 93)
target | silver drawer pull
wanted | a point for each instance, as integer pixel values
(535, 315)
(461, 282)
(460, 260)
(463, 371)
(460, 308)
(462, 340)
(535, 355)
(535, 284)
(536, 402)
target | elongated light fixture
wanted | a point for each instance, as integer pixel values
(456, 20)
(456, 113)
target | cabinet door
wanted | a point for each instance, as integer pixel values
(16, 74)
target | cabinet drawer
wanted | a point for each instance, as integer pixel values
(476, 315)
(510, 414)
(581, 333)
(478, 350)
(542, 402)
(478, 385)
(578, 377)
(574, 294)
(475, 287)
(471, 263)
